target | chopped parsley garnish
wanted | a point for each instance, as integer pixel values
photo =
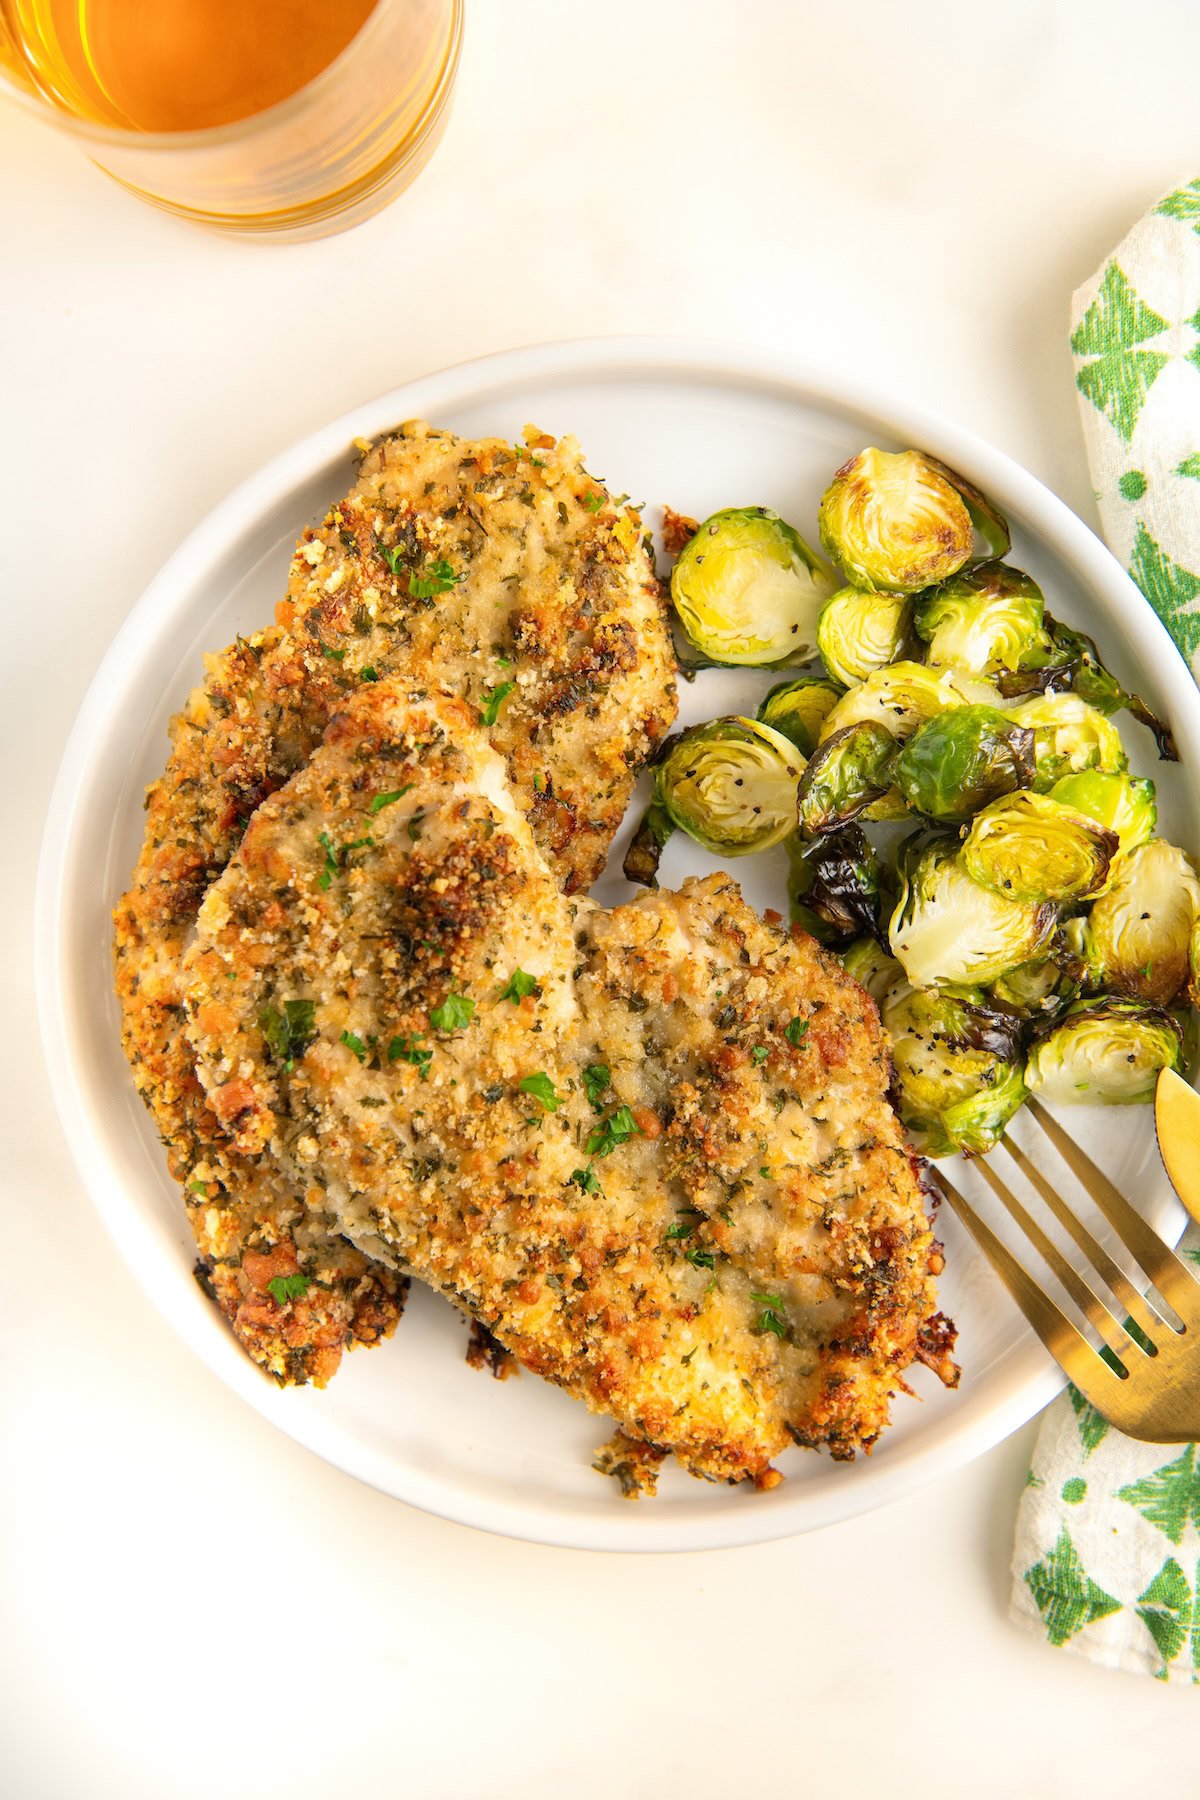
(765, 1171)
(415, 826)
(490, 711)
(593, 502)
(685, 1225)
(381, 800)
(597, 1078)
(519, 986)
(199, 1187)
(353, 1042)
(504, 661)
(772, 1317)
(759, 1054)
(393, 557)
(289, 1032)
(701, 1259)
(617, 1129)
(795, 1031)
(331, 860)
(333, 655)
(405, 1049)
(283, 1288)
(586, 1179)
(438, 578)
(368, 674)
(455, 1013)
(542, 1089)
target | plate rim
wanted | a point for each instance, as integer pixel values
(1033, 1379)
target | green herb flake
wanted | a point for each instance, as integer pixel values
(701, 1259)
(331, 860)
(283, 1288)
(393, 556)
(795, 1031)
(415, 826)
(593, 502)
(289, 1031)
(381, 800)
(199, 1187)
(333, 655)
(454, 1014)
(353, 1042)
(617, 1129)
(519, 986)
(773, 1316)
(406, 1049)
(759, 1054)
(597, 1079)
(495, 698)
(586, 1179)
(542, 1089)
(439, 578)
(368, 674)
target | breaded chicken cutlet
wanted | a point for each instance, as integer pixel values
(503, 573)
(649, 1149)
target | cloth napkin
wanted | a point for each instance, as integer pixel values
(1107, 1555)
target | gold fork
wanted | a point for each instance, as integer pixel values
(1151, 1387)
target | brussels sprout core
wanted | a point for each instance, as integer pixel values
(1032, 847)
(894, 522)
(748, 589)
(731, 785)
(961, 759)
(948, 928)
(982, 620)
(799, 708)
(1139, 930)
(859, 632)
(1106, 1051)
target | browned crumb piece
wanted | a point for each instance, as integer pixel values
(631, 1462)
(486, 1352)
(677, 530)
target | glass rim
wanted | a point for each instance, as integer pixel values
(216, 136)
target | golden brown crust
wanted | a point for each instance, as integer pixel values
(468, 565)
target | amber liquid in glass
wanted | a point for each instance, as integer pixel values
(173, 65)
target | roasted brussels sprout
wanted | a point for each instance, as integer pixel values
(1035, 990)
(947, 928)
(731, 785)
(1063, 658)
(894, 521)
(859, 632)
(958, 1069)
(904, 696)
(1139, 931)
(982, 620)
(845, 774)
(1107, 1051)
(799, 708)
(1032, 847)
(1119, 801)
(1068, 735)
(962, 759)
(747, 589)
(868, 963)
(646, 845)
(834, 885)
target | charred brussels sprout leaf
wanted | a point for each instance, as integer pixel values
(958, 1069)
(731, 785)
(866, 962)
(1032, 847)
(1139, 931)
(848, 771)
(799, 708)
(748, 589)
(981, 620)
(859, 632)
(1068, 735)
(1121, 802)
(1107, 1051)
(946, 927)
(894, 522)
(962, 759)
(1064, 658)
(646, 846)
(835, 880)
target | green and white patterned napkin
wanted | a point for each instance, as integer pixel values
(1107, 1556)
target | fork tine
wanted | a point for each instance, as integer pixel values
(1173, 1281)
(1088, 1302)
(1139, 1309)
(1066, 1344)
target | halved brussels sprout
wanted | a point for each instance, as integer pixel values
(948, 928)
(905, 695)
(1069, 735)
(731, 785)
(1139, 931)
(1032, 847)
(958, 1069)
(1119, 801)
(1107, 1051)
(799, 709)
(845, 774)
(1064, 658)
(646, 845)
(859, 632)
(834, 885)
(982, 619)
(866, 962)
(893, 521)
(748, 589)
(1035, 989)
(960, 760)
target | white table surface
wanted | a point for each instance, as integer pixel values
(192, 1605)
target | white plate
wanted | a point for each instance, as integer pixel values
(700, 429)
